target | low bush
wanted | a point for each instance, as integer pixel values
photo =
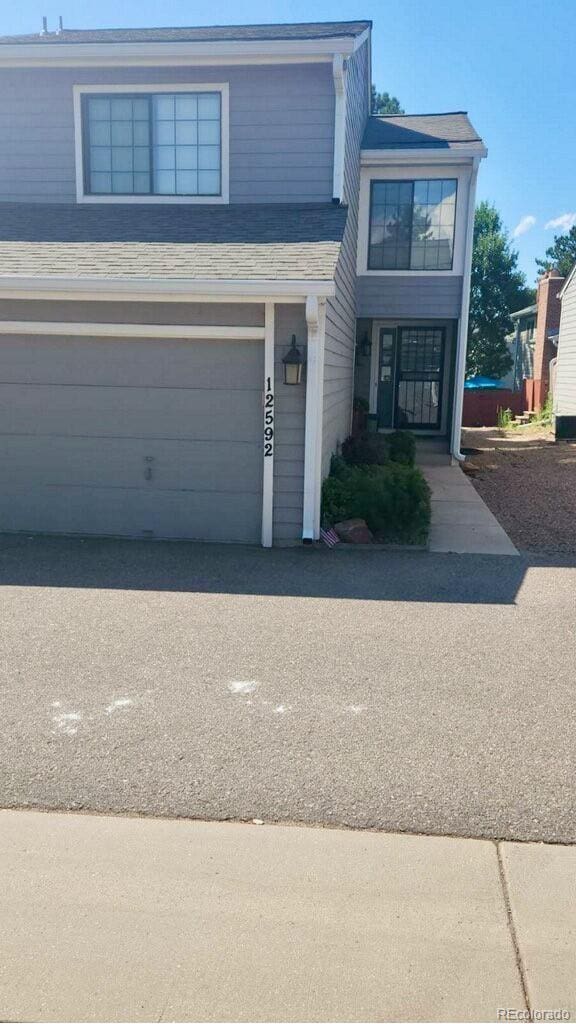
(368, 450)
(394, 500)
(402, 447)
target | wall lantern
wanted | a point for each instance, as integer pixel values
(365, 345)
(293, 363)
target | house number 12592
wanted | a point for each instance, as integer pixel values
(268, 419)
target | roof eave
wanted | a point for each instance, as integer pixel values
(163, 289)
(205, 52)
(452, 153)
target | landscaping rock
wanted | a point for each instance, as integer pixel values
(354, 531)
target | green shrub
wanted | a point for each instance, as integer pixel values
(336, 500)
(402, 447)
(369, 450)
(393, 499)
(361, 404)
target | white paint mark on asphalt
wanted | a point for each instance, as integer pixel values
(281, 709)
(242, 686)
(66, 722)
(56, 703)
(356, 709)
(122, 702)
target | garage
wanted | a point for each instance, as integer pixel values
(132, 436)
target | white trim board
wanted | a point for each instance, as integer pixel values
(410, 172)
(222, 87)
(149, 289)
(453, 153)
(268, 424)
(213, 52)
(122, 330)
(316, 322)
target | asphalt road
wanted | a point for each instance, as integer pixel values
(393, 690)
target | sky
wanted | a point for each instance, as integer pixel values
(510, 63)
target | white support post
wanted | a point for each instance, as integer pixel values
(315, 319)
(268, 428)
(462, 343)
(339, 75)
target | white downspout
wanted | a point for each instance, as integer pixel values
(339, 75)
(460, 369)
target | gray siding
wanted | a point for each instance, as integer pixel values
(565, 396)
(281, 128)
(290, 409)
(408, 296)
(341, 310)
(238, 314)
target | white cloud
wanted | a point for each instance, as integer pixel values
(524, 225)
(565, 221)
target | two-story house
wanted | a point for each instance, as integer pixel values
(204, 239)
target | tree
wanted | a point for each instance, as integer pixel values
(561, 255)
(497, 289)
(384, 103)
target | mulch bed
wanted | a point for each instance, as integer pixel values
(529, 483)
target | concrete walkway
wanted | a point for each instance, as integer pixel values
(125, 919)
(461, 521)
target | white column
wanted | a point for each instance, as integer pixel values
(315, 319)
(462, 343)
(268, 428)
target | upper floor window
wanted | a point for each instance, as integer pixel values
(412, 224)
(165, 143)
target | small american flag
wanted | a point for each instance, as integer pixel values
(330, 537)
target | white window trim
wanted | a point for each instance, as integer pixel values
(410, 172)
(221, 87)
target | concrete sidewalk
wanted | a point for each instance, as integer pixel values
(125, 919)
(462, 523)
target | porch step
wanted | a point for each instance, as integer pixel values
(430, 452)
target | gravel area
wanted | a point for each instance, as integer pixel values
(529, 483)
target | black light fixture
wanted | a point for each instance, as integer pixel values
(293, 363)
(365, 345)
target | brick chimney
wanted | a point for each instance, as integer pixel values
(547, 320)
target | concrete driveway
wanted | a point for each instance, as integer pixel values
(393, 690)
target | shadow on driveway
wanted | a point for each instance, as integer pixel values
(381, 575)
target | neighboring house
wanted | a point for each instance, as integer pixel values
(521, 347)
(565, 389)
(533, 343)
(176, 206)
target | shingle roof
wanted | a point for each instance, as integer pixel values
(242, 242)
(419, 131)
(211, 33)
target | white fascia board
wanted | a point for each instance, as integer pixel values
(360, 40)
(224, 52)
(96, 329)
(162, 290)
(452, 155)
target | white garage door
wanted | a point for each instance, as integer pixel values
(131, 437)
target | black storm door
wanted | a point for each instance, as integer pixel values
(420, 367)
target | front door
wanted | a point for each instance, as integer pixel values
(419, 378)
(410, 372)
